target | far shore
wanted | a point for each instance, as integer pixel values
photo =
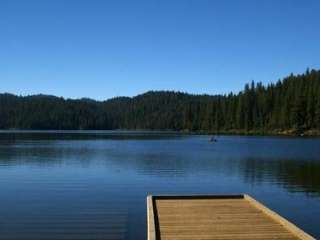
(276, 132)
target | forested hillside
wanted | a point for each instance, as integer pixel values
(290, 104)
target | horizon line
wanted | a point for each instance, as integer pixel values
(308, 70)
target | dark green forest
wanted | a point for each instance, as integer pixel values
(289, 105)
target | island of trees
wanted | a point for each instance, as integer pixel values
(289, 106)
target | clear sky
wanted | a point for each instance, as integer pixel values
(107, 48)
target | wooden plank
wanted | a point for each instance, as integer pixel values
(151, 223)
(216, 217)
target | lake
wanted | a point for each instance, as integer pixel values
(93, 184)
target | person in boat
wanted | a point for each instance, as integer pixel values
(213, 139)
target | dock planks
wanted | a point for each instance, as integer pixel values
(216, 217)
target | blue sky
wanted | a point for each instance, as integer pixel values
(102, 49)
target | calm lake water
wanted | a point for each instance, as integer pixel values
(93, 185)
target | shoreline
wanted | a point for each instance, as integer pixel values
(288, 133)
(284, 133)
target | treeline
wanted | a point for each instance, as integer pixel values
(290, 104)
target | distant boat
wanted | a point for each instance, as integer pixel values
(213, 139)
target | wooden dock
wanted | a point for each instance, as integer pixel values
(216, 217)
